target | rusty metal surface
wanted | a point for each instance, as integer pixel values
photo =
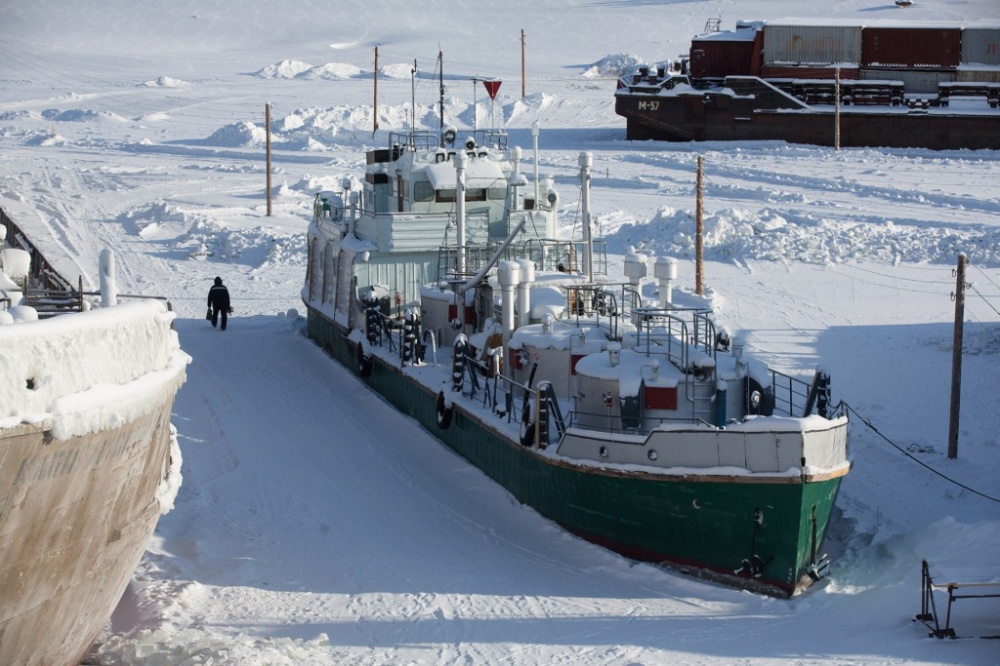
(906, 47)
(75, 518)
(720, 58)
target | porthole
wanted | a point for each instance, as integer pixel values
(604, 452)
(651, 455)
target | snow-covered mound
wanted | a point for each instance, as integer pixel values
(332, 71)
(165, 82)
(243, 133)
(286, 69)
(614, 65)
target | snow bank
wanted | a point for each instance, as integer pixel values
(771, 235)
(616, 64)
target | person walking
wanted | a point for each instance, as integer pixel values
(218, 303)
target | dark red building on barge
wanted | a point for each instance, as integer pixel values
(901, 85)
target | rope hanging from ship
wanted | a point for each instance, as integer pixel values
(915, 459)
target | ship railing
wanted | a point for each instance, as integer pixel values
(488, 138)
(791, 394)
(545, 253)
(603, 303)
(675, 332)
(413, 140)
(482, 380)
(797, 398)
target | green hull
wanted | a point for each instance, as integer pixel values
(704, 524)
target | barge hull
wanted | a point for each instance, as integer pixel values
(722, 118)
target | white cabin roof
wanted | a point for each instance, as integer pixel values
(479, 173)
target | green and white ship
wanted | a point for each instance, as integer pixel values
(636, 424)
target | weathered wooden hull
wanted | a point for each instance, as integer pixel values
(704, 524)
(75, 517)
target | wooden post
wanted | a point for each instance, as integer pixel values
(956, 358)
(267, 133)
(698, 275)
(523, 93)
(375, 100)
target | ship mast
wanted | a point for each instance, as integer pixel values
(441, 84)
(413, 104)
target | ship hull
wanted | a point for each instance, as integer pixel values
(711, 526)
(75, 517)
(726, 118)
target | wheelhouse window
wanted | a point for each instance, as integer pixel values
(422, 191)
(471, 194)
(497, 193)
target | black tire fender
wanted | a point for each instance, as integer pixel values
(765, 399)
(364, 362)
(527, 425)
(443, 412)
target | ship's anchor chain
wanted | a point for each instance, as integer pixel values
(753, 566)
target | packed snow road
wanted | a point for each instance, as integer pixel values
(318, 525)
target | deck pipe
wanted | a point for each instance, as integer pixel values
(509, 277)
(109, 290)
(524, 292)
(460, 209)
(586, 161)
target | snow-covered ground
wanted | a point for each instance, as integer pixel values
(317, 526)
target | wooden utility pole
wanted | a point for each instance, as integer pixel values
(267, 133)
(698, 276)
(956, 357)
(375, 101)
(523, 93)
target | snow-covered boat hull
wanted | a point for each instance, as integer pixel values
(85, 458)
(703, 523)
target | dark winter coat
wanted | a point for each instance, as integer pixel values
(218, 298)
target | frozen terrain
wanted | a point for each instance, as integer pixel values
(315, 525)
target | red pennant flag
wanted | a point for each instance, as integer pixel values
(492, 87)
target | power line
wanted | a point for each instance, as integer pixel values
(973, 288)
(916, 460)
